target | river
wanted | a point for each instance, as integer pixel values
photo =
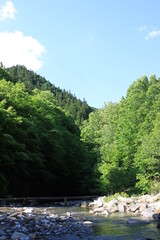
(115, 225)
(63, 222)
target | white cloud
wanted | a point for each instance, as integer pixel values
(152, 34)
(7, 11)
(15, 48)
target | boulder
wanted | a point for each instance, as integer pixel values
(143, 207)
(87, 222)
(146, 199)
(113, 209)
(19, 236)
(101, 209)
(156, 216)
(155, 206)
(111, 203)
(148, 213)
(105, 213)
(156, 197)
(121, 207)
(99, 202)
(134, 221)
(134, 207)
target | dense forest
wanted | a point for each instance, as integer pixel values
(78, 109)
(53, 144)
(40, 148)
(126, 138)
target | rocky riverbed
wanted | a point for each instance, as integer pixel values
(146, 206)
(70, 223)
(28, 223)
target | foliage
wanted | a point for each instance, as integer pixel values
(126, 136)
(43, 151)
(115, 196)
(40, 150)
(79, 110)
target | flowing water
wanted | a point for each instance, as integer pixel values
(113, 227)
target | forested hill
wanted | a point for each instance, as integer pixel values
(78, 109)
(41, 153)
(126, 135)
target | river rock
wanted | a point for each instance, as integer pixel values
(156, 216)
(87, 222)
(100, 209)
(134, 206)
(156, 197)
(143, 207)
(105, 213)
(146, 199)
(147, 213)
(19, 236)
(27, 209)
(136, 221)
(112, 206)
(121, 207)
(99, 202)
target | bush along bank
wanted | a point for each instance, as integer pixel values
(146, 206)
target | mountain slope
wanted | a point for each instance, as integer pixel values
(78, 109)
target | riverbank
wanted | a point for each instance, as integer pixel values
(65, 223)
(28, 223)
(146, 206)
(73, 222)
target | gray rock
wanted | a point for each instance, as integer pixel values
(136, 221)
(19, 236)
(87, 222)
(148, 213)
(156, 216)
(121, 207)
(134, 207)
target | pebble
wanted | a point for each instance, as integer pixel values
(28, 224)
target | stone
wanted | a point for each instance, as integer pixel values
(27, 209)
(105, 213)
(156, 197)
(134, 221)
(98, 203)
(113, 209)
(101, 209)
(143, 207)
(87, 222)
(68, 214)
(91, 212)
(121, 207)
(158, 225)
(146, 198)
(148, 213)
(156, 216)
(19, 236)
(111, 205)
(134, 207)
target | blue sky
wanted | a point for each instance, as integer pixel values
(94, 48)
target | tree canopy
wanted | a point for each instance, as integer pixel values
(52, 143)
(77, 108)
(126, 136)
(40, 149)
